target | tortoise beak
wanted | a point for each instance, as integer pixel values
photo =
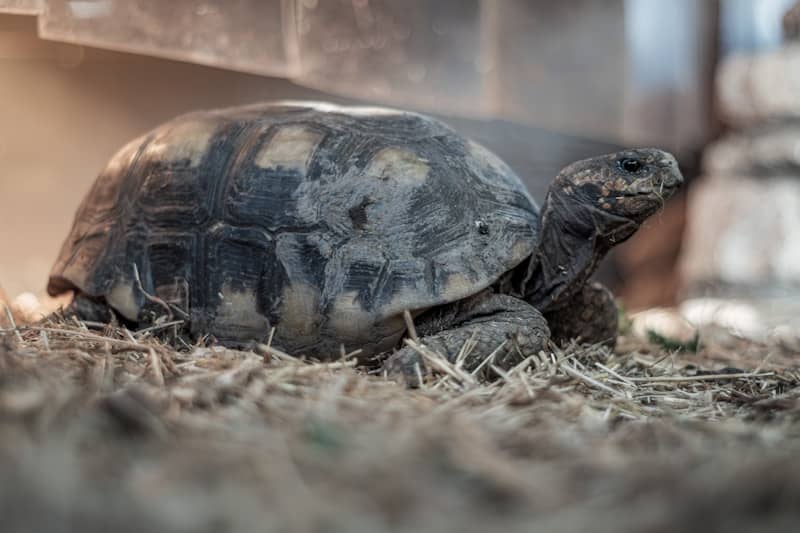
(671, 177)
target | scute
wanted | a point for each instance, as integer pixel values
(290, 148)
(321, 221)
(403, 166)
(184, 142)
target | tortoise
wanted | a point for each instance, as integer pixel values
(323, 224)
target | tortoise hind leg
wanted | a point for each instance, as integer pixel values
(590, 316)
(89, 309)
(498, 324)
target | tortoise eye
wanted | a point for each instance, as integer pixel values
(630, 165)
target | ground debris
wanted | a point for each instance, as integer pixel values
(115, 430)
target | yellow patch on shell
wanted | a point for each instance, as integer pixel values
(458, 286)
(299, 313)
(400, 165)
(348, 319)
(187, 139)
(291, 147)
(122, 298)
(240, 308)
(519, 251)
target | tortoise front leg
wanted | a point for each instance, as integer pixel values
(497, 323)
(590, 316)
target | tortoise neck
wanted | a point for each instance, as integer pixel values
(575, 237)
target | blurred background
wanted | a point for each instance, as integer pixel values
(541, 83)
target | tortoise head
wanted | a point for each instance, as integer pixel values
(591, 206)
(632, 184)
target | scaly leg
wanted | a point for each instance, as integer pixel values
(590, 316)
(491, 320)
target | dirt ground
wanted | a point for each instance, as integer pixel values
(113, 431)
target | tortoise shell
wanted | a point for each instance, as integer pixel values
(321, 221)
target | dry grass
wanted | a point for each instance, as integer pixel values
(115, 431)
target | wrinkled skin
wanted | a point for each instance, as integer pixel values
(591, 206)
